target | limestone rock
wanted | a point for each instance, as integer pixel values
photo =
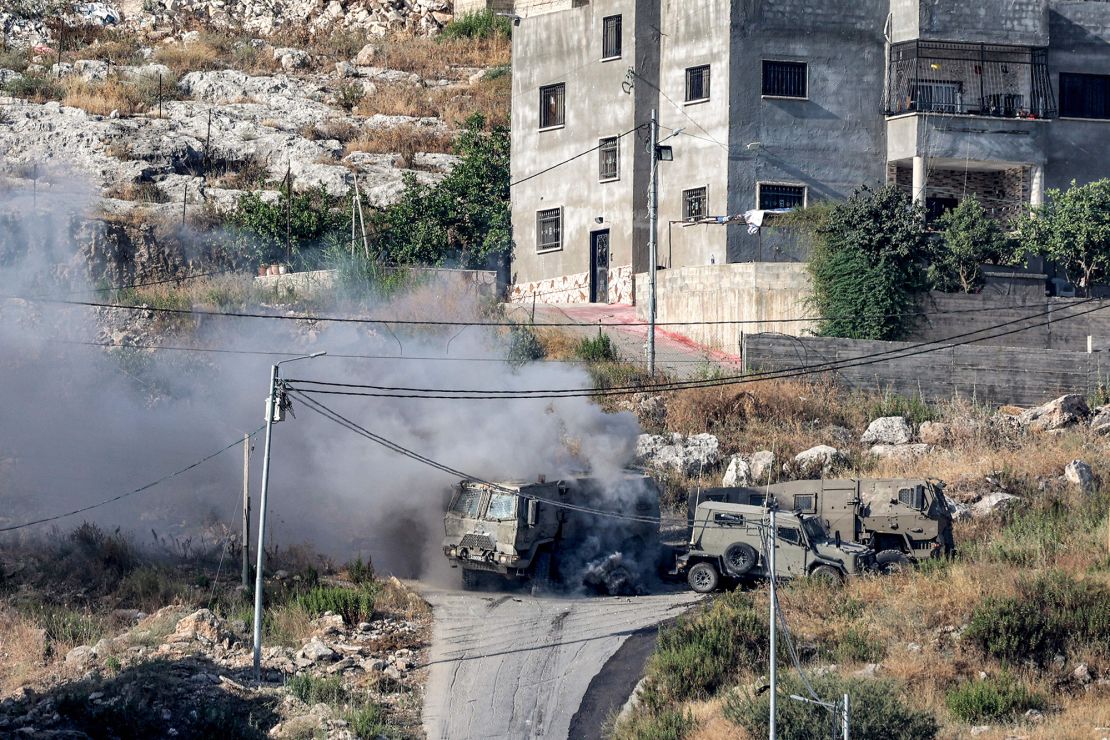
(202, 626)
(889, 430)
(819, 460)
(934, 433)
(80, 656)
(993, 503)
(739, 473)
(366, 56)
(689, 456)
(900, 452)
(1059, 413)
(1100, 419)
(1079, 474)
(316, 651)
(762, 466)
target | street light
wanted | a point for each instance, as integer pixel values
(658, 154)
(275, 411)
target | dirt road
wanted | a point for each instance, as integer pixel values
(509, 665)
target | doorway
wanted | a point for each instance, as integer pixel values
(599, 266)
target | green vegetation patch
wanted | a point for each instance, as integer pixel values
(991, 699)
(355, 605)
(484, 24)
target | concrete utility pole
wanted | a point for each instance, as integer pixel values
(274, 412)
(246, 511)
(653, 200)
(772, 542)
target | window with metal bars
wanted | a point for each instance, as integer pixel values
(785, 79)
(781, 196)
(611, 37)
(1084, 96)
(697, 83)
(693, 204)
(609, 162)
(553, 105)
(549, 229)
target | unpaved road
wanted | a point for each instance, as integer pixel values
(509, 665)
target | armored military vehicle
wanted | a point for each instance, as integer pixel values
(727, 542)
(553, 533)
(900, 519)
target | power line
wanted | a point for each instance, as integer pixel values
(571, 159)
(138, 490)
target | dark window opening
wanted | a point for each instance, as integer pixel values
(727, 518)
(938, 96)
(784, 79)
(791, 535)
(1084, 96)
(608, 154)
(805, 503)
(697, 83)
(549, 229)
(781, 196)
(553, 105)
(937, 207)
(611, 37)
(693, 204)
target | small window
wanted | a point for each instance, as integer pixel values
(608, 159)
(553, 105)
(466, 502)
(501, 506)
(912, 497)
(772, 197)
(791, 535)
(757, 499)
(697, 83)
(549, 229)
(805, 503)
(611, 37)
(1084, 96)
(723, 517)
(784, 79)
(693, 204)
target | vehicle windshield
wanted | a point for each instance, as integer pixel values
(501, 506)
(814, 531)
(466, 502)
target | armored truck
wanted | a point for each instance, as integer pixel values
(900, 519)
(729, 541)
(575, 532)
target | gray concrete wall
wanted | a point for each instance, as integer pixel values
(1016, 22)
(978, 138)
(999, 375)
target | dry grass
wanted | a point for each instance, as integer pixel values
(213, 50)
(454, 104)
(22, 651)
(289, 624)
(402, 100)
(405, 140)
(439, 59)
(396, 599)
(490, 98)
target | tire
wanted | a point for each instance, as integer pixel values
(471, 579)
(541, 573)
(740, 558)
(828, 575)
(703, 578)
(892, 561)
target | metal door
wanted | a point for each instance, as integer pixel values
(599, 267)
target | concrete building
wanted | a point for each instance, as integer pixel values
(781, 103)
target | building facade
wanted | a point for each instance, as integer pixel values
(777, 104)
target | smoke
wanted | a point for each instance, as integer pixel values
(82, 423)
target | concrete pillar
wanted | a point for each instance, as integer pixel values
(919, 176)
(1036, 185)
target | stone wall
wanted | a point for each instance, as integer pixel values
(575, 288)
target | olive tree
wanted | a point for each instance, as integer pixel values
(1072, 229)
(969, 238)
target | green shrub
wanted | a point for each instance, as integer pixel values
(915, 408)
(1048, 615)
(524, 347)
(360, 573)
(367, 723)
(666, 724)
(150, 587)
(33, 87)
(855, 646)
(991, 699)
(877, 711)
(596, 349)
(699, 655)
(970, 238)
(318, 689)
(355, 605)
(65, 625)
(484, 24)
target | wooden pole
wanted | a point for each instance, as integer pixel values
(246, 511)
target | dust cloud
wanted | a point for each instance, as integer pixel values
(81, 423)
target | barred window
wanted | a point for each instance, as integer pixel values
(553, 105)
(549, 229)
(784, 79)
(697, 83)
(611, 37)
(609, 162)
(693, 204)
(781, 196)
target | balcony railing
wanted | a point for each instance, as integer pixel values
(968, 79)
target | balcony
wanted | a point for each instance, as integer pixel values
(969, 80)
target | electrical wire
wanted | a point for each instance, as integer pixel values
(135, 491)
(571, 159)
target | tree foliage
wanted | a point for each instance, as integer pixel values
(970, 238)
(464, 218)
(867, 264)
(1072, 229)
(261, 227)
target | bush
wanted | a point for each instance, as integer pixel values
(666, 724)
(318, 689)
(360, 573)
(1048, 615)
(35, 88)
(524, 346)
(484, 24)
(855, 646)
(991, 699)
(302, 218)
(597, 349)
(354, 605)
(699, 655)
(367, 723)
(970, 238)
(877, 711)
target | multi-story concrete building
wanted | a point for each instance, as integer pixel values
(781, 103)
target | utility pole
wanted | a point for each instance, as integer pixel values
(845, 708)
(653, 200)
(246, 511)
(772, 543)
(274, 412)
(841, 707)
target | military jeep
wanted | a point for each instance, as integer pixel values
(729, 541)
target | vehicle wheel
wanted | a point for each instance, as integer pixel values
(740, 558)
(892, 561)
(471, 579)
(541, 573)
(827, 574)
(703, 578)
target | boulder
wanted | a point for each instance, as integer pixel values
(80, 656)
(889, 430)
(739, 473)
(819, 460)
(960, 512)
(934, 433)
(329, 624)
(1079, 474)
(366, 56)
(202, 626)
(1100, 418)
(1060, 413)
(762, 466)
(690, 456)
(316, 651)
(900, 452)
(1082, 673)
(993, 503)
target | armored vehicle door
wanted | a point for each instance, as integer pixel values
(838, 505)
(791, 553)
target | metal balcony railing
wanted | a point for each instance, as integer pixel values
(968, 79)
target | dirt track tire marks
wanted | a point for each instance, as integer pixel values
(519, 666)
